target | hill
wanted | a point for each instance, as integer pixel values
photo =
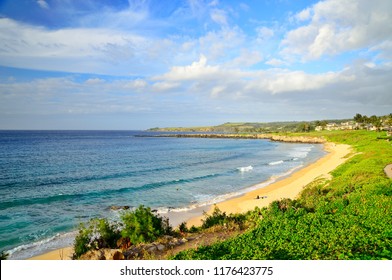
(247, 127)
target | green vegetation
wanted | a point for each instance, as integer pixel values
(277, 127)
(245, 127)
(142, 225)
(348, 217)
(239, 221)
(99, 233)
(136, 227)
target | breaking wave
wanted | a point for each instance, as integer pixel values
(245, 169)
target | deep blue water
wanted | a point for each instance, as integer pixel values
(50, 181)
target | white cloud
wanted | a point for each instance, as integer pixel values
(197, 70)
(199, 88)
(91, 50)
(43, 4)
(245, 59)
(276, 62)
(303, 15)
(222, 43)
(164, 86)
(339, 26)
(294, 81)
(219, 16)
(217, 90)
(138, 84)
(94, 81)
(264, 33)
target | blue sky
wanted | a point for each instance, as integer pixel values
(69, 64)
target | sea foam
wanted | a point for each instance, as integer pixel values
(276, 162)
(245, 169)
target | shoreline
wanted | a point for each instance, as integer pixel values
(288, 187)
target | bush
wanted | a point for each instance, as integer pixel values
(98, 234)
(142, 225)
(183, 228)
(107, 234)
(82, 241)
(138, 226)
(216, 218)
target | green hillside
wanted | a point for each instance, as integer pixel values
(260, 127)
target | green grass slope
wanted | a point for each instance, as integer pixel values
(348, 217)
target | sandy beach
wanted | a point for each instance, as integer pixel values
(289, 187)
(59, 254)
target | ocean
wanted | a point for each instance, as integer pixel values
(51, 181)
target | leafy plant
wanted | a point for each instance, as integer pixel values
(142, 225)
(82, 241)
(216, 218)
(97, 234)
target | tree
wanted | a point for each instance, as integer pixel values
(358, 118)
(304, 127)
(376, 121)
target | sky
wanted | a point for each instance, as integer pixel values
(137, 64)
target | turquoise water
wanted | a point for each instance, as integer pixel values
(50, 181)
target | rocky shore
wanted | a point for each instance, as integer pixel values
(272, 137)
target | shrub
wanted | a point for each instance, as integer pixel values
(216, 218)
(82, 241)
(99, 233)
(106, 234)
(142, 225)
(183, 228)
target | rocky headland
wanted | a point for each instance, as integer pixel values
(272, 137)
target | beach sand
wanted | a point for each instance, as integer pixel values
(59, 254)
(289, 187)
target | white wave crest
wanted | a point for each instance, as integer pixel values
(301, 152)
(245, 169)
(276, 162)
(26, 251)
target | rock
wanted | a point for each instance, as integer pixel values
(273, 137)
(113, 254)
(124, 243)
(151, 248)
(116, 207)
(93, 255)
(168, 237)
(103, 254)
(132, 253)
(161, 247)
(118, 256)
